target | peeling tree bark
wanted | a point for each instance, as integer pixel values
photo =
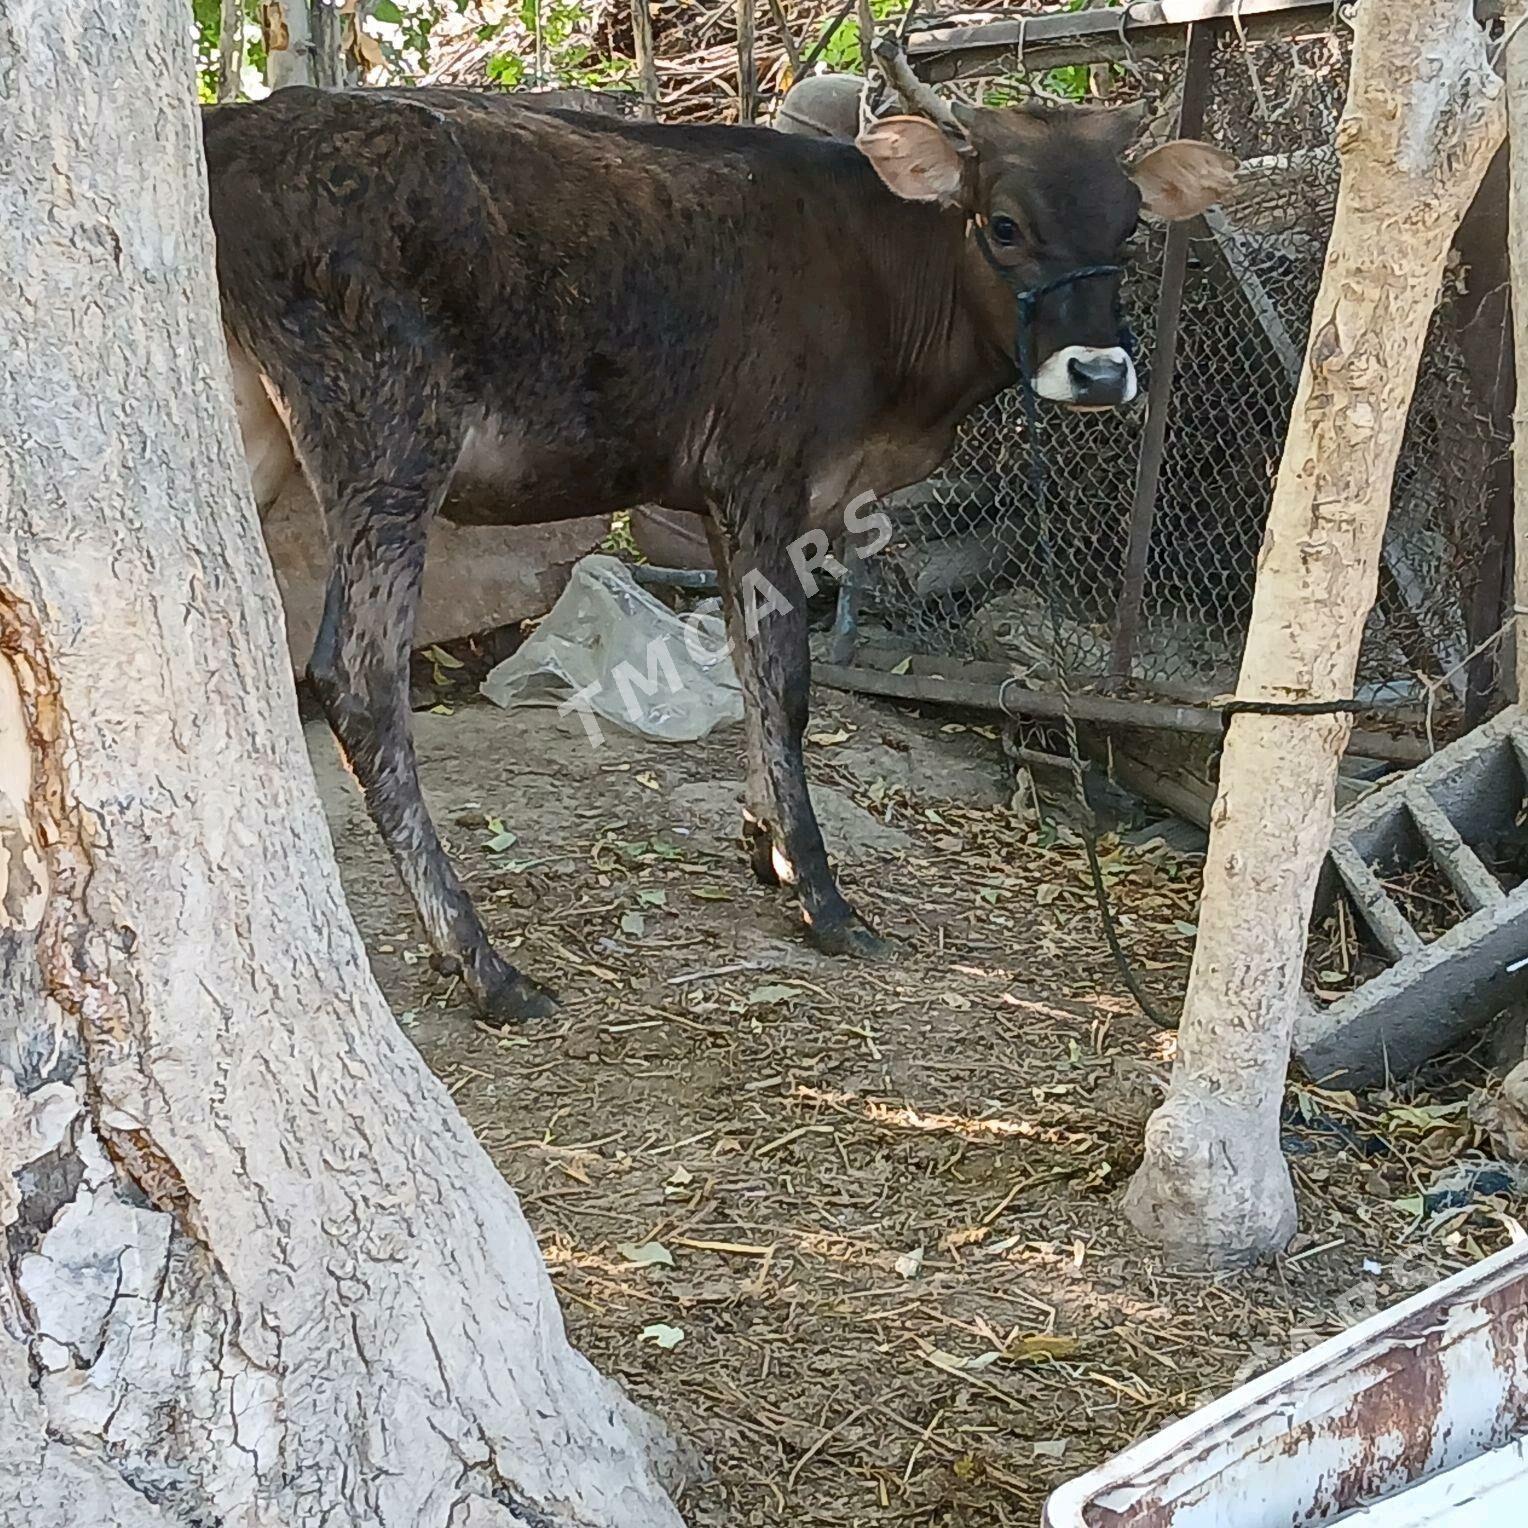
(1423, 117)
(256, 1270)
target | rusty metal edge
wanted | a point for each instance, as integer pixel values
(1216, 1424)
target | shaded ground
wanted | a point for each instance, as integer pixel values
(876, 1201)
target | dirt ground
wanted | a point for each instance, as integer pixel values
(852, 1229)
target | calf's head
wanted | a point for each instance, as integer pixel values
(1050, 210)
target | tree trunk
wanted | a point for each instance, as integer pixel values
(303, 43)
(1423, 117)
(747, 65)
(647, 66)
(257, 1272)
(230, 49)
(1517, 248)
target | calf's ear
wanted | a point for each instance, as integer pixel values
(1181, 179)
(915, 158)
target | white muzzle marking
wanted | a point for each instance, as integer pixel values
(1054, 380)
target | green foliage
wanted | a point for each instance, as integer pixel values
(209, 27)
(842, 53)
(557, 35)
(1071, 81)
(507, 70)
(208, 16)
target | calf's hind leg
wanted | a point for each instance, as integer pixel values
(768, 625)
(758, 841)
(377, 512)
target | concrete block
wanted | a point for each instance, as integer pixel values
(1436, 990)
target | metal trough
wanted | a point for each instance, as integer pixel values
(1430, 1395)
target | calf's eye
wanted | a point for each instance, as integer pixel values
(1004, 230)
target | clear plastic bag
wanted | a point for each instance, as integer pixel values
(609, 647)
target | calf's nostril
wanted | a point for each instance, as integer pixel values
(1097, 374)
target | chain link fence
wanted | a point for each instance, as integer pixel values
(967, 574)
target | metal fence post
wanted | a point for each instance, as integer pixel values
(1196, 77)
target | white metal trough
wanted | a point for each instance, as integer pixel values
(1416, 1416)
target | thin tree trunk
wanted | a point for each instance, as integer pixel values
(647, 67)
(1424, 115)
(747, 66)
(327, 28)
(230, 49)
(304, 42)
(787, 39)
(1517, 246)
(256, 1271)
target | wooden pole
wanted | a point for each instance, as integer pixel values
(787, 38)
(747, 68)
(1424, 115)
(1010, 698)
(1517, 245)
(647, 63)
(866, 36)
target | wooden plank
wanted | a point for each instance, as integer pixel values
(1086, 37)
(1012, 699)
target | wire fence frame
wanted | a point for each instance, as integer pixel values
(1163, 614)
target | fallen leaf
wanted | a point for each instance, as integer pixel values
(649, 779)
(1187, 930)
(634, 924)
(442, 657)
(910, 1264)
(955, 1000)
(1040, 1345)
(903, 666)
(774, 992)
(369, 49)
(501, 841)
(954, 1364)
(827, 739)
(1046, 894)
(1052, 1448)
(711, 893)
(664, 1336)
(653, 898)
(646, 1254)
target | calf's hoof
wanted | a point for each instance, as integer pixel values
(511, 997)
(850, 936)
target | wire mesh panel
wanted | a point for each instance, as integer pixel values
(967, 575)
